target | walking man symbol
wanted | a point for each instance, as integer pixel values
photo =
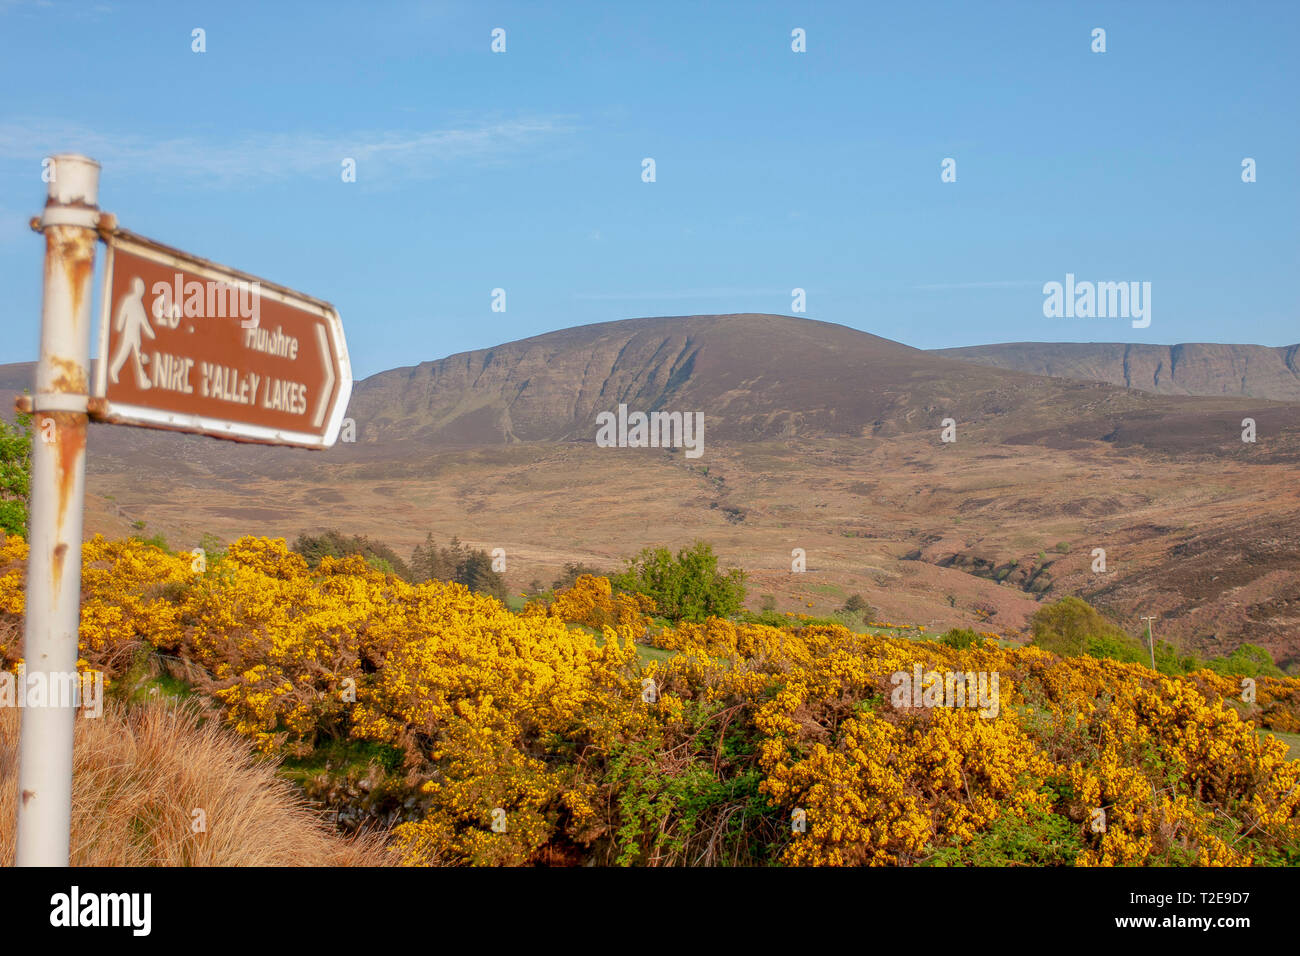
(131, 322)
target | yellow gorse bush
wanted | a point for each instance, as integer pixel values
(592, 603)
(532, 737)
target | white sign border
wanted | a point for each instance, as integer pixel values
(119, 414)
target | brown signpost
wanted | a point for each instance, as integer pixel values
(184, 344)
(192, 346)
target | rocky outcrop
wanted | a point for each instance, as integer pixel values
(1254, 371)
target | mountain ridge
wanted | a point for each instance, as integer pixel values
(819, 436)
(757, 376)
(1188, 368)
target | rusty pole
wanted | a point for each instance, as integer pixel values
(58, 496)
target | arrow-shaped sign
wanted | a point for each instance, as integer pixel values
(193, 346)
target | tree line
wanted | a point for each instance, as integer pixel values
(455, 561)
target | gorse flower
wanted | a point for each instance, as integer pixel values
(529, 737)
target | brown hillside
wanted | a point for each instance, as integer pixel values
(759, 377)
(755, 377)
(817, 436)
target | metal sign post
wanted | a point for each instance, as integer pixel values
(58, 490)
(186, 345)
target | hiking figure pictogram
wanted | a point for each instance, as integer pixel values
(130, 322)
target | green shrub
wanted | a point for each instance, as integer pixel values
(1071, 627)
(335, 545)
(857, 605)
(770, 618)
(1170, 661)
(212, 547)
(961, 638)
(1041, 838)
(688, 587)
(15, 474)
(1249, 660)
(157, 541)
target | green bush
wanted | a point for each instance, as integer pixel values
(688, 587)
(1044, 839)
(857, 605)
(961, 638)
(1118, 647)
(1071, 627)
(1249, 660)
(212, 547)
(769, 618)
(15, 474)
(335, 545)
(1169, 661)
(157, 540)
(707, 810)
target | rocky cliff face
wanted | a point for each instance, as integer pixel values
(1254, 371)
(765, 377)
(753, 376)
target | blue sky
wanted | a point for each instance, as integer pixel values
(774, 169)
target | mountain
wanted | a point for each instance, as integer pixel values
(1255, 371)
(818, 437)
(759, 377)
(754, 376)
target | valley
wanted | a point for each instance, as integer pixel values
(819, 437)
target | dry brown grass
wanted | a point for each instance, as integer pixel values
(141, 772)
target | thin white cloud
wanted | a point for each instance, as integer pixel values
(682, 294)
(256, 158)
(995, 284)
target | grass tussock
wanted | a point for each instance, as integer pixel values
(141, 773)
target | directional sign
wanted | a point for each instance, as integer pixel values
(192, 346)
